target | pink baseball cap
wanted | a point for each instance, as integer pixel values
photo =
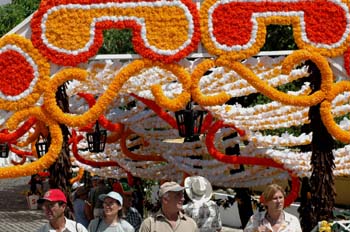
(53, 195)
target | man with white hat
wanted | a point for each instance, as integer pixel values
(169, 217)
(203, 210)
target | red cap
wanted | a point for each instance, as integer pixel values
(53, 195)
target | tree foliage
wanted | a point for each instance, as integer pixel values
(13, 14)
(117, 42)
(279, 38)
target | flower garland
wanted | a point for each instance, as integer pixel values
(162, 30)
(162, 114)
(290, 61)
(45, 161)
(196, 94)
(106, 98)
(326, 114)
(237, 29)
(78, 177)
(23, 73)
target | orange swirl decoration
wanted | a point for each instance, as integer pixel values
(292, 60)
(107, 97)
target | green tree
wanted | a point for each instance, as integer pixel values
(13, 14)
(117, 42)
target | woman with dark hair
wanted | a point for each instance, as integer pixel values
(112, 215)
(274, 219)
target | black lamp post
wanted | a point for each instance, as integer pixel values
(42, 145)
(97, 139)
(189, 123)
(4, 150)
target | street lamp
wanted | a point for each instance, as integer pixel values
(42, 145)
(97, 139)
(189, 123)
(4, 150)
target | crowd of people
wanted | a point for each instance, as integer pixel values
(107, 208)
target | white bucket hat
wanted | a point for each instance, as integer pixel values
(198, 189)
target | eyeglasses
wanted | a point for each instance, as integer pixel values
(110, 203)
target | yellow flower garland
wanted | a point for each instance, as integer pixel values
(197, 96)
(326, 114)
(107, 97)
(274, 94)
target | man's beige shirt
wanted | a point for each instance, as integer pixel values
(159, 223)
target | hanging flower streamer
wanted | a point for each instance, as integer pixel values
(6, 137)
(134, 156)
(234, 159)
(74, 140)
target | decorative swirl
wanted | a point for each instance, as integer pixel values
(46, 160)
(280, 96)
(107, 97)
(326, 112)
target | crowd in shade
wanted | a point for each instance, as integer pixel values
(114, 205)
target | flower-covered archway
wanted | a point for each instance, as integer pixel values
(135, 100)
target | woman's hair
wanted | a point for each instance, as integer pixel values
(271, 190)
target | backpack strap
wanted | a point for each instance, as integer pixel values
(98, 224)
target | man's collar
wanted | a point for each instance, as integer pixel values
(160, 214)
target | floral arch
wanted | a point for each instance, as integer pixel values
(167, 73)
